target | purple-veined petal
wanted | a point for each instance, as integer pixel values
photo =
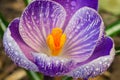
(92, 69)
(14, 30)
(37, 21)
(83, 32)
(13, 44)
(53, 66)
(71, 6)
(101, 49)
(99, 61)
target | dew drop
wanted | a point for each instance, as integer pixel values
(67, 0)
(73, 3)
(35, 17)
(72, 8)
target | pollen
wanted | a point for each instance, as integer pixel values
(55, 41)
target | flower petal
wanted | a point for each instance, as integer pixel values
(53, 66)
(83, 32)
(93, 67)
(37, 21)
(14, 30)
(72, 6)
(13, 44)
(103, 48)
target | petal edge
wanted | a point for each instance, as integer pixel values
(13, 50)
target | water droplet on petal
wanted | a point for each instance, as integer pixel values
(73, 3)
(72, 8)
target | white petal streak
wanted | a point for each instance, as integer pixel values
(15, 53)
(37, 21)
(83, 32)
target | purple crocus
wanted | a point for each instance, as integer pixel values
(60, 37)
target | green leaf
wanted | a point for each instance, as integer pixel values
(34, 75)
(27, 2)
(117, 48)
(117, 52)
(3, 25)
(41, 76)
(1, 32)
(67, 78)
(5, 22)
(113, 29)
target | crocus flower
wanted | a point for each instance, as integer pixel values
(60, 37)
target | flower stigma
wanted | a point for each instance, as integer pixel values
(55, 41)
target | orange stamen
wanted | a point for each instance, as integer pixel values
(56, 41)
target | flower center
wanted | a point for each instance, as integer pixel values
(55, 41)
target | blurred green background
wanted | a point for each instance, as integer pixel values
(10, 9)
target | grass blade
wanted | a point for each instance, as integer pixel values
(113, 29)
(3, 20)
(34, 75)
(27, 2)
(1, 32)
(117, 52)
(3, 25)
